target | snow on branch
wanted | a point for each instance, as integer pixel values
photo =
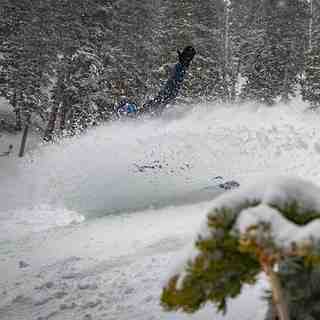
(248, 231)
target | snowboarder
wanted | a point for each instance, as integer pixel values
(166, 95)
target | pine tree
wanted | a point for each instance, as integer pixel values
(24, 62)
(210, 36)
(274, 68)
(80, 31)
(76, 89)
(288, 32)
(244, 237)
(244, 39)
(131, 52)
(311, 86)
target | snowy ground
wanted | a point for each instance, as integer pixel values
(85, 235)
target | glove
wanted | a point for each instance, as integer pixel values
(186, 55)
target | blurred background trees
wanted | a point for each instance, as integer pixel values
(69, 62)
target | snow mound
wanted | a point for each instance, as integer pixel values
(274, 191)
(283, 210)
(275, 218)
(265, 202)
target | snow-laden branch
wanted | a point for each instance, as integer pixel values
(248, 231)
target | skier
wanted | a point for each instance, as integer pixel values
(166, 95)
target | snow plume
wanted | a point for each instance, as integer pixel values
(99, 173)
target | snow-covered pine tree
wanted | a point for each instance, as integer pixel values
(311, 83)
(289, 32)
(277, 61)
(246, 39)
(80, 32)
(267, 227)
(77, 86)
(25, 54)
(261, 75)
(131, 49)
(203, 24)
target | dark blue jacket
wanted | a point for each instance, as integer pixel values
(168, 93)
(156, 105)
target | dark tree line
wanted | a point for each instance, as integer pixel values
(69, 62)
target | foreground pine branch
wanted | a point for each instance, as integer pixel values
(247, 232)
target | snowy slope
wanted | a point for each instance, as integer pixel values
(75, 242)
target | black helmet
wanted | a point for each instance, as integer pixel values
(186, 55)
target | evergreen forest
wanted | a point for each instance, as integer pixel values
(69, 62)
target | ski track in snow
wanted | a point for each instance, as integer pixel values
(56, 266)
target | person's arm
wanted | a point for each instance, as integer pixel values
(173, 85)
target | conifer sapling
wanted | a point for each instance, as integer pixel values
(247, 232)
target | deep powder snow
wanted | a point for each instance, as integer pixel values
(85, 234)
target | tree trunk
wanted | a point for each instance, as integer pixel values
(48, 135)
(227, 55)
(310, 24)
(24, 136)
(277, 294)
(285, 93)
(234, 81)
(63, 114)
(17, 111)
